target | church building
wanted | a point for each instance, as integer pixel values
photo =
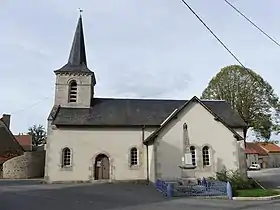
(116, 139)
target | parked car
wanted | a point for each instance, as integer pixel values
(255, 167)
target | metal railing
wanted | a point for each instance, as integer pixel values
(179, 188)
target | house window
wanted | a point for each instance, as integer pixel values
(205, 156)
(193, 155)
(133, 156)
(66, 157)
(73, 89)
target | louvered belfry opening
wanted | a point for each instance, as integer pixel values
(73, 91)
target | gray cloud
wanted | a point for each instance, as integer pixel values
(144, 48)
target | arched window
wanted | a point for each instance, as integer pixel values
(73, 89)
(205, 156)
(193, 155)
(133, 156)
(66, 157)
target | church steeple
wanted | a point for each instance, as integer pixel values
(75, 81)
(77, 61)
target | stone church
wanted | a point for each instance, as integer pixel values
(116, 139)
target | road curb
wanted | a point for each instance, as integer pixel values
(267, 198)
(212, 197)
(11, 180)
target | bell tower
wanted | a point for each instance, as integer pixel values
(75, 81)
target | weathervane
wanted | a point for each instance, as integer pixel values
(81, 10)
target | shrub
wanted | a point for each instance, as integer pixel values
(237, 180)
(211, 178)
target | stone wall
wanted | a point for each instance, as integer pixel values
(28, 165)
(274, 160)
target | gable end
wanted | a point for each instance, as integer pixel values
(150, 140)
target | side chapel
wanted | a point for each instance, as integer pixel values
(111, 139)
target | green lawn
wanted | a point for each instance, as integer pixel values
(256, 193)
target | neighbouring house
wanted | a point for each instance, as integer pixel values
(256, 154)
(9, 147)
(252, 156)
(265, 154)
(25, 140)
(17, 160)
(93, 138)
(273, 152)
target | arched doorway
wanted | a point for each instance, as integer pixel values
(101, 167)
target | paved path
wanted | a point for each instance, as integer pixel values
(269, 178)
(34, 196)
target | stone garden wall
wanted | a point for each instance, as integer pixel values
(28, 165)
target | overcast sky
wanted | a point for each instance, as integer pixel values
(137, 48)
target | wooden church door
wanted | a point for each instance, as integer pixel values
(102, 167)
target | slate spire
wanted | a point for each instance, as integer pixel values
(77, 61)
(78, 51)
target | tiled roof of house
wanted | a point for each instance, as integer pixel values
(270, 147)
(25, 141)
(250, 151)
(254, 146)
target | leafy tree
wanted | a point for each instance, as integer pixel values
(252, 97)
(38, 134)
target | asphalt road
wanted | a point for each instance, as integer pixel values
(32, 195)
(269, 178)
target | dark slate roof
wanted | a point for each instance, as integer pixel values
(77, 61)
(151, 138)
(135, 112)
(8, 141)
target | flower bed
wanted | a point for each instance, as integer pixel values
(256, 193)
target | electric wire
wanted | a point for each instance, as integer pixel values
(252, 23)
(221, 42)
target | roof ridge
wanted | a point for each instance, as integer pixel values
(160, 99)
(153, 99)
(211, 100)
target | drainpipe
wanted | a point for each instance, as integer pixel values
(147, 154)
(245, 130)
